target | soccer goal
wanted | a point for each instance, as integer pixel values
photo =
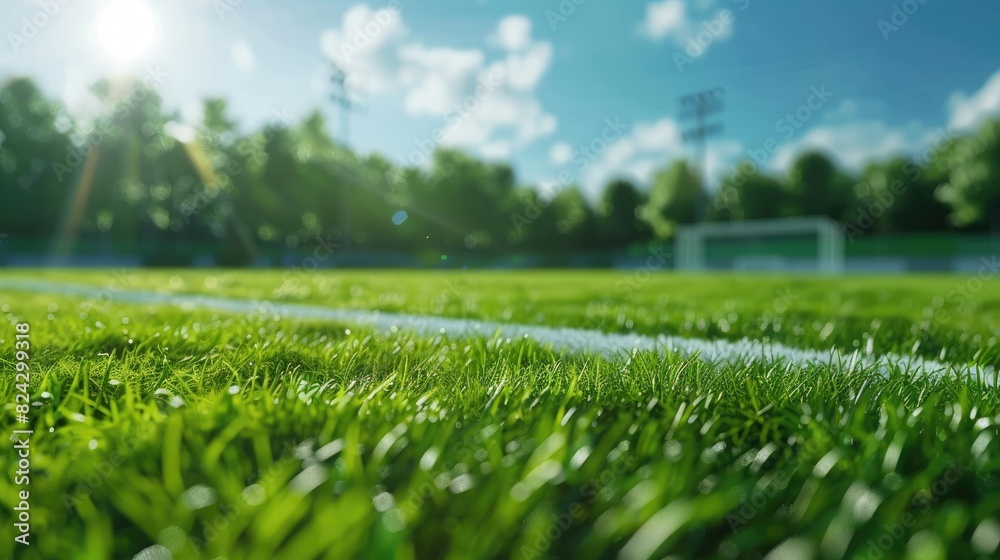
(783, 244)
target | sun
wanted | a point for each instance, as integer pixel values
(126, 29)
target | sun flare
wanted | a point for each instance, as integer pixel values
(126, 29)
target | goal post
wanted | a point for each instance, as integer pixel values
(691, 242)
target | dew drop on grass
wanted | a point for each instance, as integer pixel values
(198, 496)
(986, 538)
(461, 484)
(673, 450)
(893, 481)
(92, 444)
(580, 457)
(383, 502)
(308, 480)
(254, 495)
(155, 552)
(926, 545)
(394, 521)
(708, 484)
(173, 537)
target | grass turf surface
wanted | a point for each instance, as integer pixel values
(208, 435)
(949, 318)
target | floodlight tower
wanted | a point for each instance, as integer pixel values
(698, 106)
(341, 97)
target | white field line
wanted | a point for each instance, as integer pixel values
(561, 339)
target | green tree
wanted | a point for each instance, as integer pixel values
(752, 196)
(673, 199)
(899, 196)
(35, 159)
(618, 223)
(972, 190)
(575, 222)
(818, 188)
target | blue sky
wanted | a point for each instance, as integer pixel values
(559, 72)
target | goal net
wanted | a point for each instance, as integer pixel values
(783, 244)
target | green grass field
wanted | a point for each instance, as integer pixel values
(174, 433)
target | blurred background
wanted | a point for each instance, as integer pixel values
(480, 134)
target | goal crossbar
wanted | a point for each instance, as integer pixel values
(690, 240)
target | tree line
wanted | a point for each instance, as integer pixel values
(133, 176)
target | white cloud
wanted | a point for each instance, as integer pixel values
(486, 105)
(364, 46)
(243, 56)
(853, 141)
(661, 135)
(437, 78)
(514, 32)
(643, 170)
(522, 72)
(691, 26)
(181, 132)
(645, 149)
(967, 111)
(720, 157)
(846, 110)
(560, 153)
(77, 95)
(853, 144)
(496, 149)
(647, 146)
(664, 18)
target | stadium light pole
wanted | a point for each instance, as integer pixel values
(698, 106)
(346, 105)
